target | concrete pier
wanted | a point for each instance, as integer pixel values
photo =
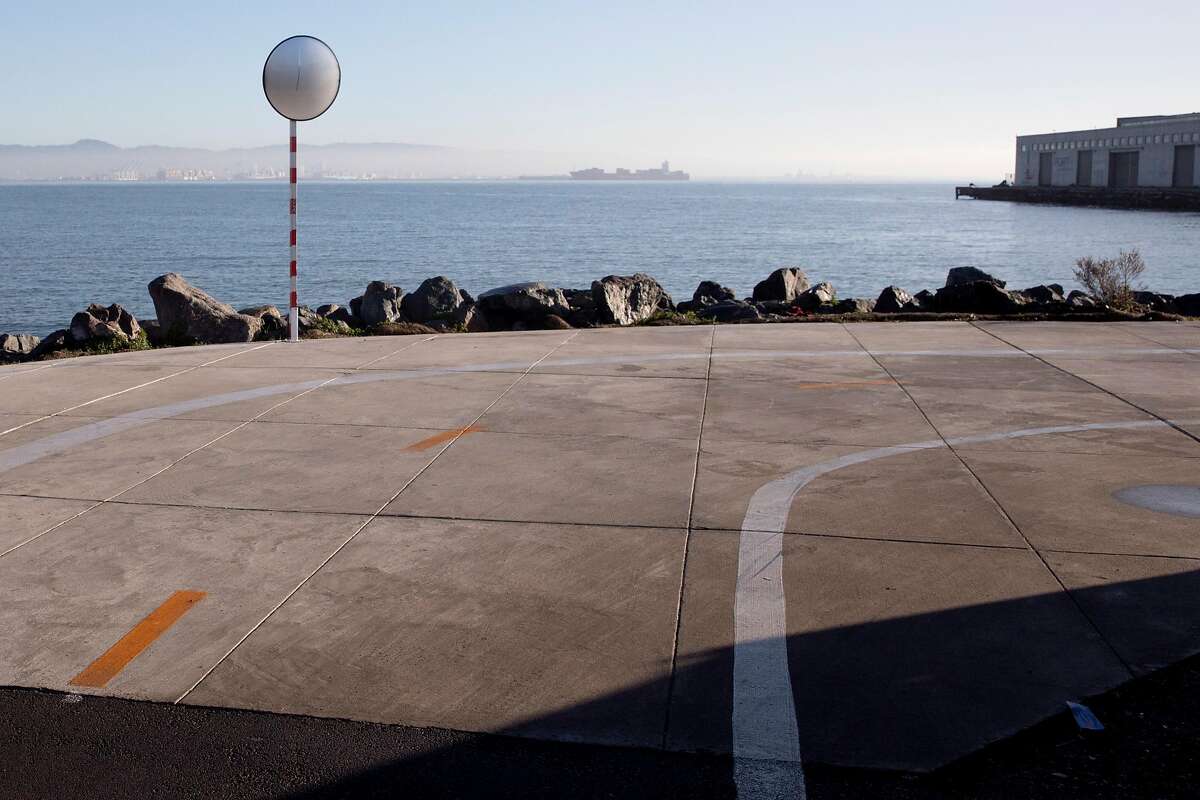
(553, 534)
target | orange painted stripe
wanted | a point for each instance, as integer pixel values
(846, 384)
(117, 657)
(444, 436)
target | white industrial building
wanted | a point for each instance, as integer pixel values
(1150, 152)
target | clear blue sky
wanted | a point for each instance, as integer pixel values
(922, 89)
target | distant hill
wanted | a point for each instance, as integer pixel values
(92, 159)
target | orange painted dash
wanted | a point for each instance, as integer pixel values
(141, 636)
(846, 384)
(444, 436)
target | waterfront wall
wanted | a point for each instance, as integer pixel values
(1155, 144)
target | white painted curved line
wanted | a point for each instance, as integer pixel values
(765, 727)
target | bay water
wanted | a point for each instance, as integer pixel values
(63, 246)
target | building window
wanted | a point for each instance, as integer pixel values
(1158, 139)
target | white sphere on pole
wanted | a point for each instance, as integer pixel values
(301, 78)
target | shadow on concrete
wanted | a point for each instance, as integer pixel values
(930, 687)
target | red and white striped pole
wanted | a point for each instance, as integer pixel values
(294, 307)
(301, 79)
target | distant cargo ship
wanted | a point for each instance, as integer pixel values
(663, 173)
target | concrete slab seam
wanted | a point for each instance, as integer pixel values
(361, 528)
(687, 533)
(1038, 354)
(395, 353)
(1012, 523)
(124, 391)
(154, 475)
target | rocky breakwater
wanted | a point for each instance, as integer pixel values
(186, 314)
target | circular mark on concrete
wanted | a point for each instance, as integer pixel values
(1183, 501)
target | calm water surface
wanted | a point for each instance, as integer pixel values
(63, 246)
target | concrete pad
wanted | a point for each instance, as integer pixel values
(785, 366)
(415, 623)
(885, 337)
(974, 372)
(12, 422)
(966, 412)
(27, 517)
(1166, 386)
(68, 596)
(924, 495)
(1147, 608)
(330, 468)
(348, 353)
(656, 352)
(901, 655)
(191, 356)
(53, 390)
(609, 480)
(12, 370)
(1064, 501)
(449, 401)
(1158, 441)
(212, 382)
(512, 352)
(792, 336)
(1065, 335)
(104, 467)
(796, 410)
(641, 408)
(1169, 334)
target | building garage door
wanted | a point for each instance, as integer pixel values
(1185, 167)
(1045, 169)
(1123, 170)
(1083, 169)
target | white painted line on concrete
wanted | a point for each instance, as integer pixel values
(131, 388)
(765, 726)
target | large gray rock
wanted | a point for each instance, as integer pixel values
(339, 314)
(980, 297)
(274, 323)
(1046, 294)
(782, 285)
(380, 303)
(188, 313)
(923, 300)
(522, 303)
(729, 311)
(959, 276)
(892, 300)
(54, 342)
(17, 347)
(99, 324)
(811, 299)
(1157, 302)
(1188, 304)
(629, 299)
(436, 299)
(710, 293)
(1082, 301)
(583, 307)
(855, 305)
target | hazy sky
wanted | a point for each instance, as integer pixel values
(917, 89)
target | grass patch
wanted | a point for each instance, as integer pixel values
(104, 347)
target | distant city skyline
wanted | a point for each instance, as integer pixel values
(929, 90)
